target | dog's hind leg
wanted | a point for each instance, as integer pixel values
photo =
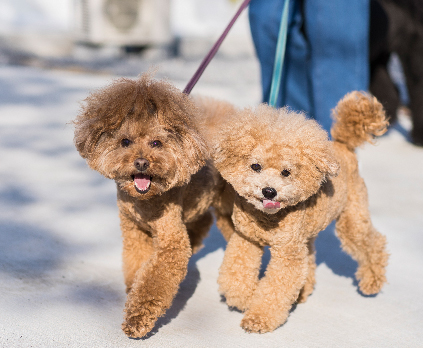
(225, 225)
(198, 229)
(223, 208)
(361, 240)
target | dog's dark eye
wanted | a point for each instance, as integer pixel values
(156, 143)
(125, 142)
(286, 172)
(256, 167)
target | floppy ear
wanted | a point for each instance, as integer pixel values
(195, 152)
(179, 116)
(322, 156)
(87, 134)
(102, 111)
(327, 165)
(230, 149)
(80, 139)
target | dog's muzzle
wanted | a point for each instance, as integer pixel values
(141, 164)
(142, 181)
(269, 193)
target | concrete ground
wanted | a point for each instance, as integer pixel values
(61, 283)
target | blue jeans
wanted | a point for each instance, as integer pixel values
(326, 52)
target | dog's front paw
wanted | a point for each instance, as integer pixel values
(140, 320)
(237, 296)
(371, 279)
(260, 322)
(240, 302)
(135, 327)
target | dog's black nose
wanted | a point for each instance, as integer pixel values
(269, 192)
(141, 164)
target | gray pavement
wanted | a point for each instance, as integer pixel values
(60, 269)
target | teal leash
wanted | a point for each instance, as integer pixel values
(279, 56)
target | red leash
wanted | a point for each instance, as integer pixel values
(214, 49)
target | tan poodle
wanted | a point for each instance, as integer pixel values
(142, 134)
(287, 182)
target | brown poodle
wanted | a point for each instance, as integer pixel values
(287, 182)
(142, 134)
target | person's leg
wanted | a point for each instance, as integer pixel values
(338, 34)
(295, 90)
(265, 17)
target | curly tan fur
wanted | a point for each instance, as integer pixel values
(142, 134)
(302, 183)
(350, 128)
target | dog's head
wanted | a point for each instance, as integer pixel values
(141, 133)
(274, 158)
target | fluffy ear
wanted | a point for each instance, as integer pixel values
(229, 149)
(102, 111)
(86, 136)
(322, 156)
(179, 116)
(327, 165)
(80, 139)
(194, 152)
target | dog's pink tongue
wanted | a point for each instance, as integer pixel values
(142, 181)
(271, 204)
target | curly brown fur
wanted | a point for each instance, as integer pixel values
(142, 134)
(289, 183)
(214, 113)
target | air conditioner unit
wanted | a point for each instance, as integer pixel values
(123, 22)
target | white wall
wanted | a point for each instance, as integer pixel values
(193, 20)
(35, 15)
(202, 17)
(23, 21)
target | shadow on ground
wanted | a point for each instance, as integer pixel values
(328, 251)
(27, 251)
(34, 90)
